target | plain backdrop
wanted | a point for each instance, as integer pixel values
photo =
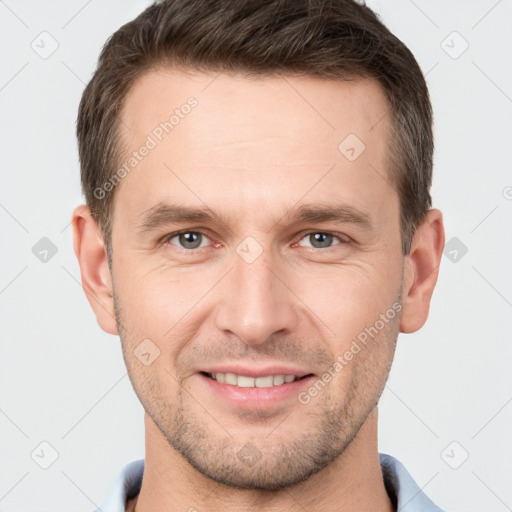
(447, 409)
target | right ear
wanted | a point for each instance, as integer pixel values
(92, 258)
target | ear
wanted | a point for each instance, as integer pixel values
(421, 271)
(92, 258)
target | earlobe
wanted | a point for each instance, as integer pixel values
(421, 271)
(92, 258)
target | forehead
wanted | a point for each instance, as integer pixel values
(300, 107)
(255, 141)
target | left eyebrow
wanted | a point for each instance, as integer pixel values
(319, 213)
(164, 214)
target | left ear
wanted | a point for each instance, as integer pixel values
(421, 271)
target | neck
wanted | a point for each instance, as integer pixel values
(352, 482)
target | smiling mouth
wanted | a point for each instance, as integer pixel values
(245, 381)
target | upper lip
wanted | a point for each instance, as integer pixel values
(252, 371)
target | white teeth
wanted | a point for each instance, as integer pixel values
(263, 382)
(229, 378)
(244, 381)
(278, 379)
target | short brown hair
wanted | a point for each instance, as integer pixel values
(331, 39)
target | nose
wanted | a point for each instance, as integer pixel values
(256, 302)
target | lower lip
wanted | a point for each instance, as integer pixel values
(257, 398)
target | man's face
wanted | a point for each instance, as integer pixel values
(257, 291)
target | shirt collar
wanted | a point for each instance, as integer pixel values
(402, 489)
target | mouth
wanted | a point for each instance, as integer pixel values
(264, 390)
(246, 381)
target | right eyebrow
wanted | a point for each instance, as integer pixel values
(168, 213)
(164, 213)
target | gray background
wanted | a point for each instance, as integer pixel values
(63, 381)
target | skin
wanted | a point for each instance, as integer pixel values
(251, 150)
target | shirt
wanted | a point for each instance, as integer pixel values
(401, 487)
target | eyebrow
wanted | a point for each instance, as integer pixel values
(165, 213)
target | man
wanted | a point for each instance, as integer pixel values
(258, 231)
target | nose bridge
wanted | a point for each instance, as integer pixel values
(255, 302)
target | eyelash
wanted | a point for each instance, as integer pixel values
(341, 237)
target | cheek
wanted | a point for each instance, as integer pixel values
(345, 300)
(158, 304)
(153, 310)
(151, 297)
